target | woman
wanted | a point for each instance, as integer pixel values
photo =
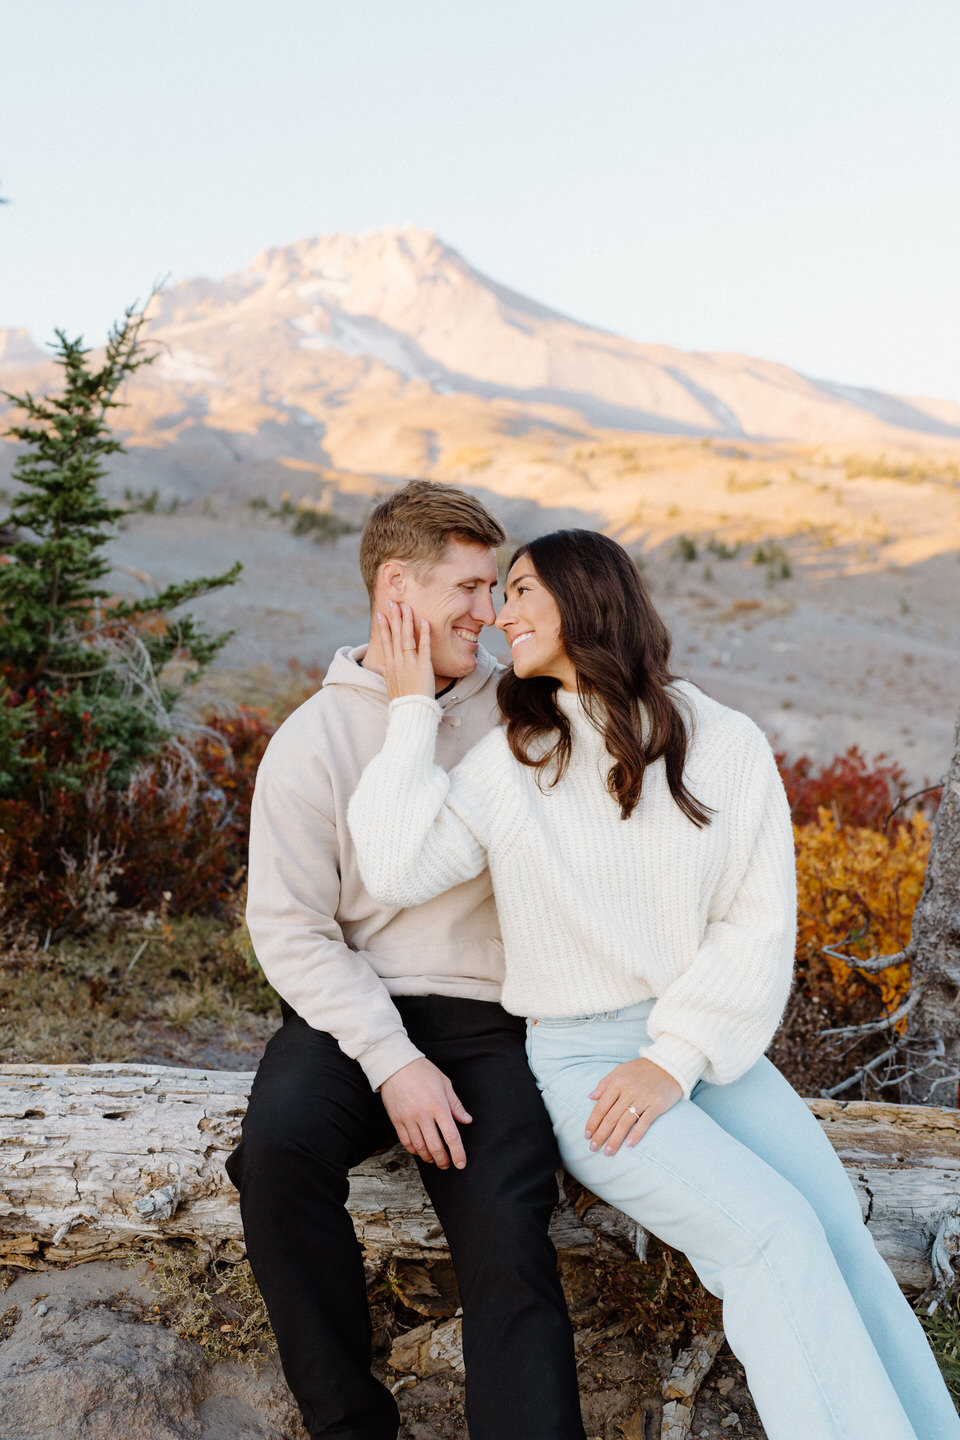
(641, 853)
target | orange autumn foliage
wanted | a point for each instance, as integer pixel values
(849, 875)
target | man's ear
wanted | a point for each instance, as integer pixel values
(393, 580)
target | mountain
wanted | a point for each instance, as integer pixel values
(17, 351)
(402, 301)
(386, 354)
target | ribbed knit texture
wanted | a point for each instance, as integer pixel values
(599, 913)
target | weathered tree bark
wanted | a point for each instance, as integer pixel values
(97, 1160)
(931, 1041)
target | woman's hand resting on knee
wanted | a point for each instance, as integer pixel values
(629, 1099)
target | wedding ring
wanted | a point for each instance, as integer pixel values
(634, 1111)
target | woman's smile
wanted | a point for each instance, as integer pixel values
(530, 619)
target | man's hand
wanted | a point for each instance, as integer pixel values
(425, 1112)
(629, 1099)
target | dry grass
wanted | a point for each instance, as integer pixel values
(176, 991)
(214, 1302)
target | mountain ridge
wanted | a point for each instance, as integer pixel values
(403, 301)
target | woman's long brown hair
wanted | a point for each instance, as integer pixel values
(620, 649)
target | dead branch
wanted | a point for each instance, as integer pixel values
(875, 1027)
(905, 800)
(861, 1074)
(872, 964)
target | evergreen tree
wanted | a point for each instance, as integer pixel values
(88, 664)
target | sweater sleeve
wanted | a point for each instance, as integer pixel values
(718, 1018)
(411, 842)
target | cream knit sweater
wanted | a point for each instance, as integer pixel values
(599, 913)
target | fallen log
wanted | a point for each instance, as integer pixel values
(100, 1160)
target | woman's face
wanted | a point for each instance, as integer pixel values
(530, 619)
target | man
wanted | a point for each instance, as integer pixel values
(392, 1028)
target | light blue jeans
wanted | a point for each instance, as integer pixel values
(742, 1179)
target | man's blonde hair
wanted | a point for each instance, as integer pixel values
(417, 523)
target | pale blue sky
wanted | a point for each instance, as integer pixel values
(780, 177)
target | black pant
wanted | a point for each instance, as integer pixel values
(311, 1117)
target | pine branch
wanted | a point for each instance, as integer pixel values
(177, 594)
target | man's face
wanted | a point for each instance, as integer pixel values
(456, 595)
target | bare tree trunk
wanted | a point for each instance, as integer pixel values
(99, 1160)
(931, 1041)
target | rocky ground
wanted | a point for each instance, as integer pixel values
(819, 601)
(87, 1354)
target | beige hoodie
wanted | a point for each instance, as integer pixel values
(331, 951)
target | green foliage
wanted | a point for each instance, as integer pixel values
(15, 721)
(721, 550)
(310, 517)
(942, 1329)
(685, 549)
(51, 575)
(83, 696)
(775, 558)
(321, 525)
(147, 502)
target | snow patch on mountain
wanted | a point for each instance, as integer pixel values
(360, 335)
(187, 366)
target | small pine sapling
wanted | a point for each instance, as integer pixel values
(83, 658)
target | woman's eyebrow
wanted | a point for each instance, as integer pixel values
(510, 583)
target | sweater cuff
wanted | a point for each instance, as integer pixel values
(387, 1056)
(427, 701)
(412, 727)
(681, 1060)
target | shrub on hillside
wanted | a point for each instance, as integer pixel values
(861, 860)
(857, 888)
(175, 835)
(186, 818)
(853, 790)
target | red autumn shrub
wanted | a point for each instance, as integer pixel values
(175, 836)
(184, 820)
(855, 791)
